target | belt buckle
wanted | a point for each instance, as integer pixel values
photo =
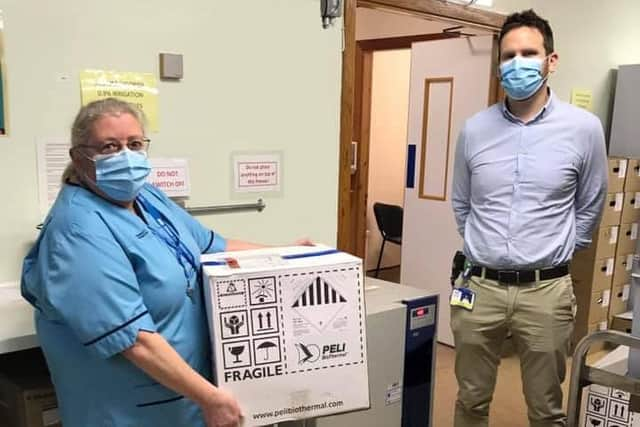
(513, 274)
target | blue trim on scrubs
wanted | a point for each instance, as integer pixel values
(98, 275)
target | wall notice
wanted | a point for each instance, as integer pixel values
(171, 176)
(52, 158)
(257, 172)
(582, 98)
(140, 89)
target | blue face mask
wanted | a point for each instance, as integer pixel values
(521, 77)
(121, 176)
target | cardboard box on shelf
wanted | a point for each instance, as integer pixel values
(599, 308)
(628, 238)
(617, 174)
(592, 274)
(619, 299)
(287, 328)
(622, 322)
(632, 182)
(604, 242)
(631, 209)
(27, 397)
(612, 212)
(622, 269)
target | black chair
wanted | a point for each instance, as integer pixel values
(389, 219)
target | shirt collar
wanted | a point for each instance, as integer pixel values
(547, 108)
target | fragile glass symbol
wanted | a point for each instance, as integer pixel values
(236, 351)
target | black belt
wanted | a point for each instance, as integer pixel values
(521, 276)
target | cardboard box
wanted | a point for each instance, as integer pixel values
(632, 182)
(599, 307)
(592, 275)
(288, 333)
(622, 322)
(631, 209)
(607, 407)
(28, 400)
(622, 269)
(604, 242)
(628, 238)
(612, 212)
(617, 174)
(619, 300)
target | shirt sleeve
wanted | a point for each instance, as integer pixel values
(592, 187)
(90, 286)
(461, 190)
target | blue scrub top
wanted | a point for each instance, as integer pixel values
(99, 274)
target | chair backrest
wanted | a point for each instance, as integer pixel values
(389, 219)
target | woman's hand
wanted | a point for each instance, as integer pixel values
(222, 410)
(305, 241)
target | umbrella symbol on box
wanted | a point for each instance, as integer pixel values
(266, 345)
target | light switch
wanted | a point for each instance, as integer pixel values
(170, 66)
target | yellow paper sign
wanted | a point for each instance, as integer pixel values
(582, 98)
(139, 89)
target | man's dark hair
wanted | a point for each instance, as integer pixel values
(529, 18)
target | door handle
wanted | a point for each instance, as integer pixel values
(354, 157)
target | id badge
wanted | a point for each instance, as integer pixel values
(463, 297)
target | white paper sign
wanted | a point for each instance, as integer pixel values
(257, 172)
(610, 264)
(619, 201)
(622, 168)
(171, 176)
(606, 297)
(629, 263)
(625, 292)
(636, 205)
(613, 239)
(634, 231)
(602, 326)
(52, 158)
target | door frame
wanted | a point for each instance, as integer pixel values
(356, 100)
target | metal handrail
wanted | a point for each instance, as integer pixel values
(582, 375)
(204, 210)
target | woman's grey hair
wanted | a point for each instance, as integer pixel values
(88, 115)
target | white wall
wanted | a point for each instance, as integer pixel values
(259, 75)
(592, 37)
(387, 155)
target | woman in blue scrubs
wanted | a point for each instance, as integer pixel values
(114, 276)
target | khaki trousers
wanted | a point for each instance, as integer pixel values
(540, 316)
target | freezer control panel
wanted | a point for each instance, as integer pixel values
(422, 317)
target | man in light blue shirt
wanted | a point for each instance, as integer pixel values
(529, 185)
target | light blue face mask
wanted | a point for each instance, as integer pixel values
(522, 77)
(121, 176)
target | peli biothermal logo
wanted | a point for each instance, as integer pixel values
(310, 353)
